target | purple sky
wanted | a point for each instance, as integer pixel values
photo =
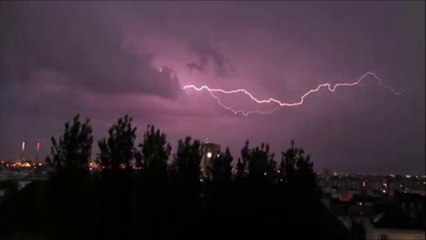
(102, 60)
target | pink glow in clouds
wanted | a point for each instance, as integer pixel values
(103, 60)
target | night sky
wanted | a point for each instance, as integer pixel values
(106, 59)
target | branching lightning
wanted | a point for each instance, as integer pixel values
(279, 103)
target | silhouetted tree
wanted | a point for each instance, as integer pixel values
(245, 155)
(298, 169)
(242, 162)
(118, 150)
(220, 168)
(187, 161)
(153, 155)
(281, 172)
(72, 150)
(240, 169)
(261, 162)
(68, 187)
(258, 161)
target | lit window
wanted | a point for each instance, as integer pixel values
(209, 154)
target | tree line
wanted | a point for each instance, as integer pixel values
(119, 155)
(146, 189)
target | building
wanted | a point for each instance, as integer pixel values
(211, 150)
(385, 217)
(396, 225)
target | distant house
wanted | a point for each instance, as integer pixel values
(410, 202)
(400, 217)
(397, 225)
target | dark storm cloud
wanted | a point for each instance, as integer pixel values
(86, 48)
(206, 54)
(62, 58)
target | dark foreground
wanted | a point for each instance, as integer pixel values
(132, 209)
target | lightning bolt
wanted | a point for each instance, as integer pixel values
(328, 86)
